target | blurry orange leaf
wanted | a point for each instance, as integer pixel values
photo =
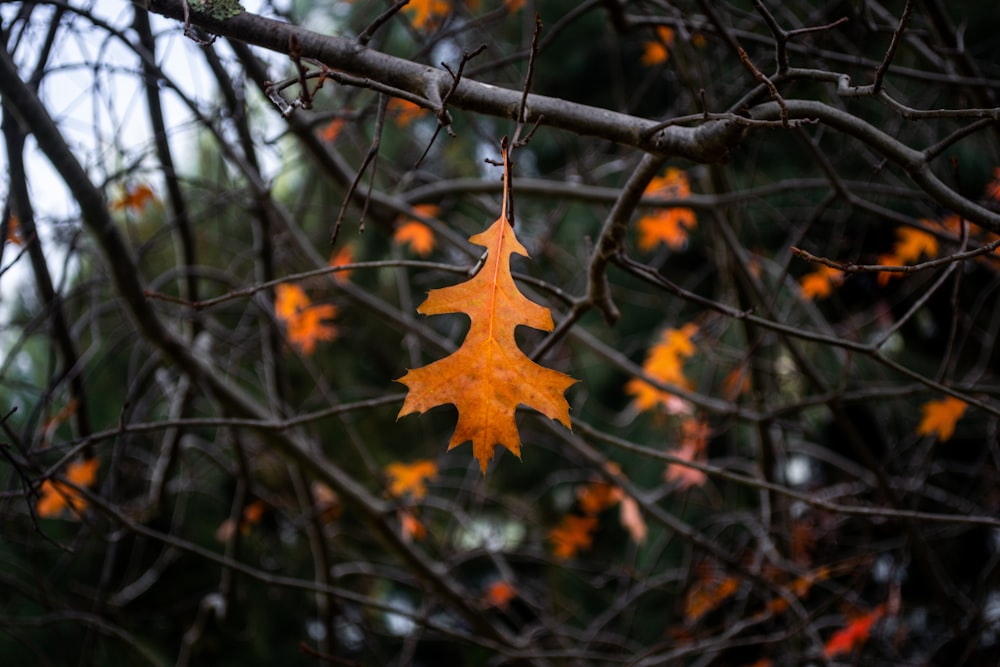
(631, 519)
(56, 496)
(574, 533)
(598, 496)
(251, 515)
(820, 283)
(417, 235)
(667, 225)
(694, 440)
(657, 50)
(405, 111)
(134, 198)
(513, 5)
(327, 502)
(410, 478)
(736, 382)
(332, 130)
(854, 634)
(13, 230)
(499, 594)
(910, 245)
(941, 416)
(304, 322)
(489, 376)
(426, 14)
(411, 526)
(707, 593)
(665, 363)
(993, 187)
(342, 257)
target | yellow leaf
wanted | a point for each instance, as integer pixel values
(820, 283)
(489, 375)
(573, 534)
(410, 478)
(940, 417)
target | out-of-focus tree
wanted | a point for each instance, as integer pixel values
(766, 237)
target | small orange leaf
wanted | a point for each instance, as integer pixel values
(410, 478)
(499, 594)
(573, 534)
(134, 198)
(665, 363)
(489, 376)
(911, 244)
(694, 441)
(631, 519)
(405, 112)
(304, 322)
(820, 283)
(56, 496)
(426, 14)
(597, 496)
(411, 526)
(513, 5)
(993, 187)
(13, 230)
(854, 634)
(707, 593)
(667, 225)
(342, 257)
(417, 235)
(657, 50)
(332, 130)
(941, 416)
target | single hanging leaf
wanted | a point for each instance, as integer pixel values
(489, 375)
(410, 478)
(941, 416)
(854, 634)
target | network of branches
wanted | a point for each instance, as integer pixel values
(447, 332)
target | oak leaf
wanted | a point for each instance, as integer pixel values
(854, 634)
(489, 376)
(426, 14)
(940, 417)
(667, 225)
(410, 478)
(911, 244)
(574, 533)
(415, 233)
(134, 198)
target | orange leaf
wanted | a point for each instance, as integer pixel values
(667, 225)
(993, 187)
(303, 321)
(56, 496)
(134, 198)
(598, 496)
(694, 440)
(405, 111)
(631, 519)
(941, 416)
(411, 526)
(410, 478)
(820, 283)
(574, 533)
(327, 502)
(665, 363)
(342, 257)
(417, 235)
(499, 594)
(332, 130)
(910, 245)
(854, 634)
(13, 230)
(513, 5)
(657, 50)
(489, 375)
(427, 13)
(707, 593)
